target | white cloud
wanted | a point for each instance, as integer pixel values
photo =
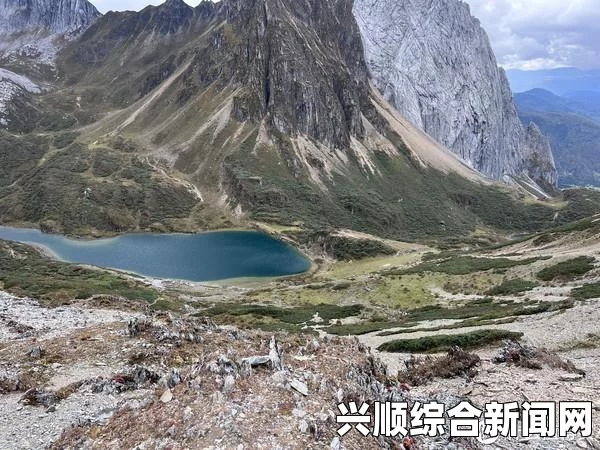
(540, 34)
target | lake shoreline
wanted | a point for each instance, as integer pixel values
(226, 257)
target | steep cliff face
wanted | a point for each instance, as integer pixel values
(539, 162)
(297, 69)
(432, 60)
(32, 29)
(54, 16)
(31, 34)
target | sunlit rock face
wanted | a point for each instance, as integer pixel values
(34, 30)
(433, 61)
(62, 16)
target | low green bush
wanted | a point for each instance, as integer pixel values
(587, 291)
(295, 315)
(568, 270)
(463, 265)
(445, 342)
(514, 286)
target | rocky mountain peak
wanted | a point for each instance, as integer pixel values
(169, 17)
(29, 29)
(53, 16)
(433, 61)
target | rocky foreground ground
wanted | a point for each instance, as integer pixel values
(80, 377)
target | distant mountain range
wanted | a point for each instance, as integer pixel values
(583, 103)
(572, 123)
(559, 81)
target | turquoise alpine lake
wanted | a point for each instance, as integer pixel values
(193, 257)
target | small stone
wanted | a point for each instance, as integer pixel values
(35, 352)
(275, 353)
(172, 379)
(188, 414)
(336, 444)
(298, 412)
(315, 345)
(228, 383)
(280, 377)
(167, 396)
(255, 361)
(217, 397)
(299, 386)
(303, 426)
(570, 378)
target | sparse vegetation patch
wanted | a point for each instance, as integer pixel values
(510, 287)
(568, 270)
(444, 342)
(462, 265)
(299, 314)
(587, 291)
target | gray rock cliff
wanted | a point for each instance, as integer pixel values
(33, 29)
(54, 16)
(433, 61)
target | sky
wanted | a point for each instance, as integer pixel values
(542, 34)
(525, 34)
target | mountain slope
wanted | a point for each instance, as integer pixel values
(586, 104)
(588, 101)
(576, 144)
(180, 118)
(569, 123)
(434, 63)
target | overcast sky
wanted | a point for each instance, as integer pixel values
(525, 34)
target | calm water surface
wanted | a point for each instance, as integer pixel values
(194, 257)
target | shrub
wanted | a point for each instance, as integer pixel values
(462, 265)
(587, 291)
(444, 342)
(514, 286)
(567, 270)
(296, 315)
(456, 363)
